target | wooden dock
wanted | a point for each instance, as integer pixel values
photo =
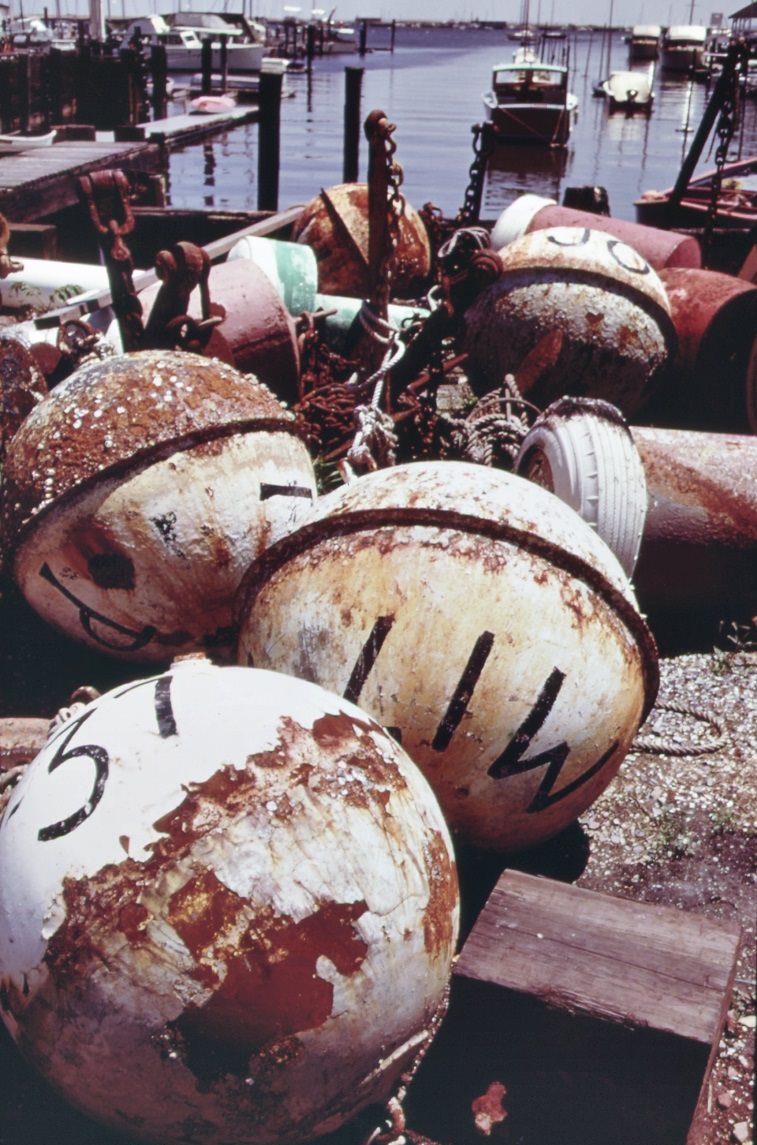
(179, 130)
(42, 181)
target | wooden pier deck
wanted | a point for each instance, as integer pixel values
(41, 181)
(179, 130)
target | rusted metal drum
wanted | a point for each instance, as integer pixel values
(229, 901)
(529, 213)
(335, 225)
(573, 312)
(257, 328)
(482, 620)
(713, 381)
(137, 493)
(698, 555)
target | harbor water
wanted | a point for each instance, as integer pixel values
(431, 88)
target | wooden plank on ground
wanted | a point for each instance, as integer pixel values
(618, 960)
(595, 1018)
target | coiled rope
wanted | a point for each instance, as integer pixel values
(659, 743)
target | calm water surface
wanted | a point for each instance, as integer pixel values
(431, 88)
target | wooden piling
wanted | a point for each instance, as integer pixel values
(206, 58)
(159, 69)
(269, 103)
(353, 89)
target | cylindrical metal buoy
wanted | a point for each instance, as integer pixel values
(698, 556)
(529, 213)
(290, 266)
(574, 311)
(138, 491)
(335, 225)
(476, 615)
(712, 383)
(229, 901)
(257, 327)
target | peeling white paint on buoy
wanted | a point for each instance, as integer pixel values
(228, 909)
(479, 617)
(137, 492)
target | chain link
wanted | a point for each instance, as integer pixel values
(380, 131)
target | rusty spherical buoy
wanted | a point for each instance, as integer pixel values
(482, 620)
(335, 225)
(575, 312)
(229, 909)
(138, 491)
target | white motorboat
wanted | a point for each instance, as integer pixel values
(529, 102)
(644, 42)
(629, 91)
(683, 47)
(184, 43)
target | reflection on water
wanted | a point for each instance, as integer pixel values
(431, 88)
(513, 171)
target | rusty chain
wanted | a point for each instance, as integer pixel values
(380, 133)
(483, 147)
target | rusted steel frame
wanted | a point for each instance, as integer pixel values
(719, 96)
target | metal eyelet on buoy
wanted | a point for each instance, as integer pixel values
(229, 900)
(478, 617)
(137, 493)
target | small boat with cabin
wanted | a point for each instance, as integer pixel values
(644, 42)
(683, 48)
(529, 102)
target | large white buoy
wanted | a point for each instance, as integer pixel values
(479, 617)
(137, 492)
(228, 909)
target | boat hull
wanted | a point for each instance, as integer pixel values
(737, 201)
(537, 124)
(242, 58)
